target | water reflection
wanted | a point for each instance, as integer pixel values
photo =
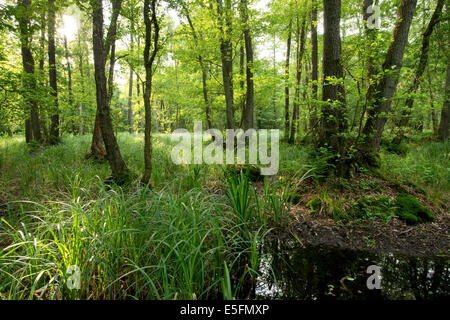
(324, 273)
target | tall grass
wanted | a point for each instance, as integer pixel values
(177, 241)
(427, 166)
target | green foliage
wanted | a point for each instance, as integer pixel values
(425, 165)
(411, 210)
(173, 241)
(373, 207)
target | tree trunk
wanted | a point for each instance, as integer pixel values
(28, 131)
(300, 50)
(69, 76)
(226, 50)
(149, 58)
(32, 126)
(116, 162)
(314, 69)
(381, 92)
(205, 94)
(286, 79)
(248, 114)
(130, 102)
(41, 75)
(69, 71)
(333, 121)
(241, 80)
(54, 127)
(420, 69)
(80, 103)
(96, 147)
(433, 111)
(445, 113)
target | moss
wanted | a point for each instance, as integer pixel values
(373, 159)
(411, 210)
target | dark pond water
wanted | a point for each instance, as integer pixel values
(325, 273)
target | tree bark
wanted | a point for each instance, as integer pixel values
(333, 121)
(382, 91)
(69, 71)
(286, 79)
(96, 146)
(249, 118)
(420, 69)
(69, 76)
(241, 79)
(54, 127)
(226, 51)
(149, 58)
(300, 38)
(130, 103)
(32, 127)
(41, 74)
(314, 69)
(80, 103)
(433, 111)
(443, 131)
(101, 48)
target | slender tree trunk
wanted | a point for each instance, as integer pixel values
(80, 103)
(41, 74)
(420, 69)
(54, 128)
(176, 82)
(130, 83)
(433, 110)
(69, 71)
(241, 80)
(28, 131)
(314, 69)
(333, 121)
(226, 51)
(300, 50)
(205, 94)
(249, 116)
(149, 58)
(32, 126)
(130, 103)
(69, 75)
(443, 130)
(381, 92)
(116, 162)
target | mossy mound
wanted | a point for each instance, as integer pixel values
(373, 160)
(411, 210)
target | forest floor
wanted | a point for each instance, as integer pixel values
(376, 232)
